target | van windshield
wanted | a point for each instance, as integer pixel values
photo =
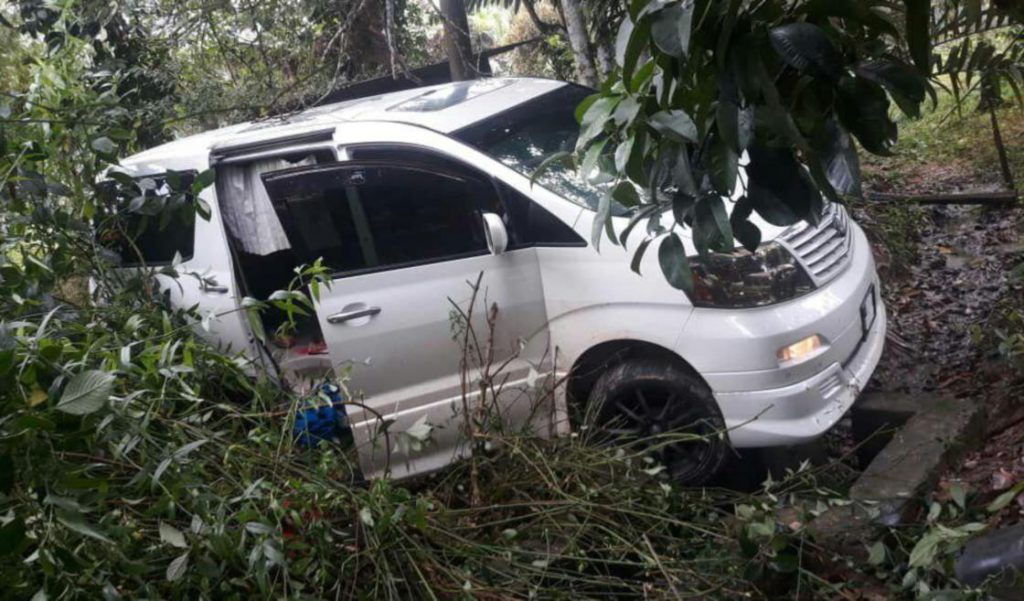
(523, 136)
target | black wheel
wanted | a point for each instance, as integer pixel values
(640, 401)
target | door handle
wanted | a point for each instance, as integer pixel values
(350, 315)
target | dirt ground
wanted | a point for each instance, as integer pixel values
(943, 307)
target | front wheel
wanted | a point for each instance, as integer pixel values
(644, 403)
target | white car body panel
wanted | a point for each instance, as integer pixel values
(555, 302)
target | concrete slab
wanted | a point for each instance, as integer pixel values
(911, 463)
(926, 434)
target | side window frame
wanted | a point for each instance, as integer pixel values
(350, 164)
(520, 240)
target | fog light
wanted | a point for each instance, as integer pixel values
(799, 350)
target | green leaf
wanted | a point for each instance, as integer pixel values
(177, 568)
(778, 187)
(839, 159)
(625, 193)
(77, 523)
(203, 181)
(674, 124)
(876, 554)
(638, 255)
(623, 152)
(711, 218)
(857, 11)
(918, 17)
(590, 169)
(630, 45)
(926, 550)
(807, 48)
(104, 145)
(172, 536)
(366, 517)
(626, 111)
(671, 28)
(724, 166)
(735, 124)
(674, 263)
(642, 76)
(601, 219)
(906, 86)
(595, 119)
(87, 392)
(585, 105)
(863, 109)
(1004, 500)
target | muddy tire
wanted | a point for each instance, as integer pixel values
(642, 402)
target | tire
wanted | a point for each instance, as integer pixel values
(643, 398)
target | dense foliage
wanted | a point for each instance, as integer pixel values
(788, 90)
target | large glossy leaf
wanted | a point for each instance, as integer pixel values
(674, 124)
(839, 159)
(778, 186)
(711, 225)
(87, 392)
(630, 45)
(735, 124)
(906, 86)
(807, 48)
(856, 11)
(595, 119)
(723, 166)
(671, 28)
(863, 109)
(674, 263)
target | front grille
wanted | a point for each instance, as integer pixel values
(823, 250)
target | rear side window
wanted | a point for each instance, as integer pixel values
(149, 224)
(374, 216)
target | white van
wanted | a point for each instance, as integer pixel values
(409, 196)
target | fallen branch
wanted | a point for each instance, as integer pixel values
(1004, 197)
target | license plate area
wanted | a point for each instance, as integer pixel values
(868, 311)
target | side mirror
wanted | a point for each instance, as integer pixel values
(497, 235)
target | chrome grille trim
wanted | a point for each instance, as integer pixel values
(823, 250)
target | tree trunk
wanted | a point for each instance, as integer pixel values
(576, 26)
(997, 137)
(456, 40)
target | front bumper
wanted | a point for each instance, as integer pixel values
(804, 411)
(766, 403)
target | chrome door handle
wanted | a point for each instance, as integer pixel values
(350, 315)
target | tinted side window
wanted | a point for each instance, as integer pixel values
(374, 216)
(529, 223)
(153, 230)
(533, 225)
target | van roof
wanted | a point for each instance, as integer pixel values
(444, 108)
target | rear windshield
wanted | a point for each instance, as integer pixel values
(523, 136)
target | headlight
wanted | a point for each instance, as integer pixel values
(743, 279)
